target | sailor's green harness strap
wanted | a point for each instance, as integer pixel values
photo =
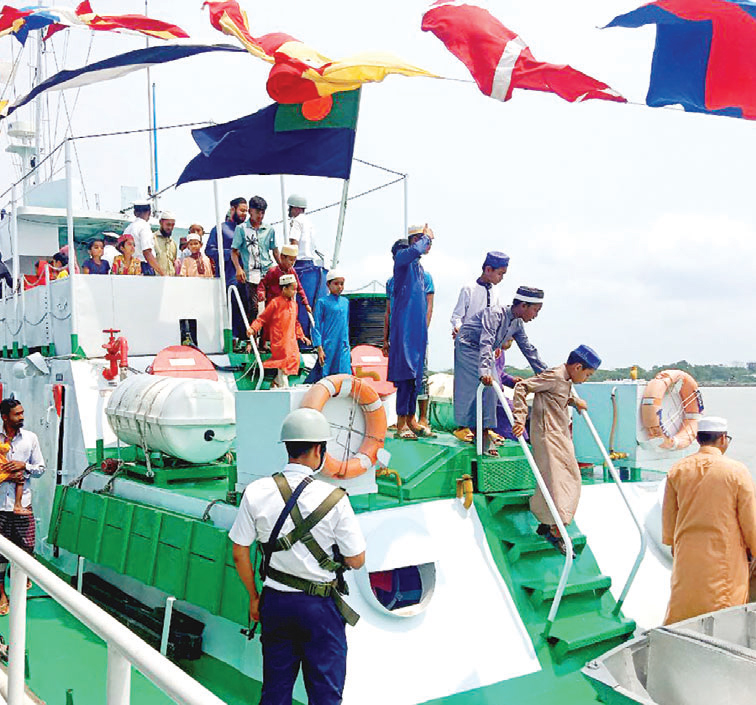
(301, 532)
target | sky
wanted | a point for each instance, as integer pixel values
(637, 222)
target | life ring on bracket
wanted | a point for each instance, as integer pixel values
(671, 382)
(371, 405)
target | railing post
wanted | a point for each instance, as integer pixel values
(80, 574)
(479, 418)
(119, 678)
(167, 625)
(233, 291)
(17, 636)
(617, 481)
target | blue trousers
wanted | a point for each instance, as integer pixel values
(307, 631)
(406, 396)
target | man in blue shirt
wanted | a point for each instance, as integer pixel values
(236, 216)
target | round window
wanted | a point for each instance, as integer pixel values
(405, 591)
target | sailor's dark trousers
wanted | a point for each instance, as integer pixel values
(307, 631)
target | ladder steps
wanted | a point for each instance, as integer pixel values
(540, 591)
(572, 633)
(518, 546)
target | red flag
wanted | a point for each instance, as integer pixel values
(500, 61)
(136, 23)
(11, 19)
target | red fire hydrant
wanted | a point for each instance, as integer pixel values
(116, 353)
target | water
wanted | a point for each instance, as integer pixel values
(738, 406)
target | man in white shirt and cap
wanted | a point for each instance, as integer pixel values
(309, 261)
(144, 243)
(166, 249)
(110, 251)
(709, 520)
(301, 609)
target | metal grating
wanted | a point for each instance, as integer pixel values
(501, 475)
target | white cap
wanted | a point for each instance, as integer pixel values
(712, 424)
(167, 215)
(334, 274)
(290, 250)
(415, 230)
(194, 236)
(142, 204)
(285, 279)
(297, 201)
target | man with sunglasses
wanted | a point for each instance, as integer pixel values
(709, 520)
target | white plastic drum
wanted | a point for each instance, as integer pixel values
(190, 419)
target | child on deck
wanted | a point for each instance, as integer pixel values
(269, 286)
(550, 437)
(331, 333)
(280, 320)
(96, 264)
(18, 508)
(126, 262)
(196, 264)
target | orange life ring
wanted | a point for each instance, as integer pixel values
(318, 395)
(672, 382)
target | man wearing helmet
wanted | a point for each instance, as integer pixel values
(301, 608)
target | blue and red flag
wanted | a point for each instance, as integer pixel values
(705, 55)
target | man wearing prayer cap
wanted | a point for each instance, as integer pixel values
(474, 353)
(144, 243)
(709, 520)
(551, 437)
(166, 250)
(476, 296)
(309, 265)
(408, 330)
(330, 336)
(280, 320)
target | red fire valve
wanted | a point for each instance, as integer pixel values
(116, 353)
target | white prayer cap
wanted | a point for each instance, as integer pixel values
(297, 201)
(285, 279)
(712, 424)
(290, 250)
(194, 236)
(334, 274)
(167, 215)
(415, 230)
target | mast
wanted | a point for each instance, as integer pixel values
(151, 124)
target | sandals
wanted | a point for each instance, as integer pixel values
(556, 541)
(406, 434)
(496, 439)
(464, 434)
(423, 432)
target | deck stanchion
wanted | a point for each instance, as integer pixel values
(225, 317)
(17, 636)
(80, 574)
(119, 678)
(167, 625)
(71, 246)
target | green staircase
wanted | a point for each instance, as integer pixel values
(585, 625)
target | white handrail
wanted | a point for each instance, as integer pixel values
(233, 289)
(621, 488)
(125, 649)
(544, 491)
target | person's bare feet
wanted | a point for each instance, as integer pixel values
(24, 511)
(4, 605)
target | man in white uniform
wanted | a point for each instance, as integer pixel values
(309, 265)
(141, 231)
(301, 609)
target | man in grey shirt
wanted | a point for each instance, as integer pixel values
(23, 461)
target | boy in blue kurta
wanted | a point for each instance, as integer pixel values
(408, 337)
(331, 333)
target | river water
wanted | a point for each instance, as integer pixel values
(738, 406)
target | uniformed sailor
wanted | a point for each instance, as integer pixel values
(301, 609)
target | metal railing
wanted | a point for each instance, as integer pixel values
(620, 486)
(124, 648)
(544, 491)
(552, 508)
(235, 291)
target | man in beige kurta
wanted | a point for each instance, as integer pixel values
(551, 441)
(709, 519)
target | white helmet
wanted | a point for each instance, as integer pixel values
(306, 425)
(297, 201)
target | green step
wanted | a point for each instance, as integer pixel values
(573, 633)
(513, 498)
(542, 590)
(518, 546)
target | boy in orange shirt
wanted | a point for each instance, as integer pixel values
(280, 320)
